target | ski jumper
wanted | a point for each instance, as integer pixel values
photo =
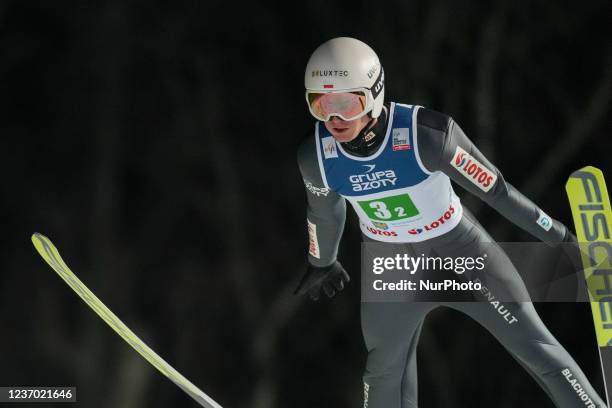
(402, 194)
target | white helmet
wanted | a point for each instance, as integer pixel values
(345, 64)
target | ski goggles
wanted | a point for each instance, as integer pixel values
(348, 105)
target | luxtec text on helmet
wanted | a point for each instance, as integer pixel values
(344, 78)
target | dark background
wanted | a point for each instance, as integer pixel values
(154, 143)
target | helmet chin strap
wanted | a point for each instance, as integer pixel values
(370, 137)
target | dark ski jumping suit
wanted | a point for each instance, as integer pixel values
(398, 190)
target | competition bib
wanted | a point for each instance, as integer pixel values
(394, 196)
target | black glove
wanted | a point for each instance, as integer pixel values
(331, 278)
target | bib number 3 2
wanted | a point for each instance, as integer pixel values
(383, 213)
(390, 208)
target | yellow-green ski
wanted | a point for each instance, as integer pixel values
(51, 255)
(590, 204)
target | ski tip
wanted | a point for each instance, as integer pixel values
(591, 169)
(586, 169)
(38, 237)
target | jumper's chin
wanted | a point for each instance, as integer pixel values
(343, 135)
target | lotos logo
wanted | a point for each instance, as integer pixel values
(460, 160)
(371, 180)
(432, 226)
(381, 232)
(381, 225)
(473, 170)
